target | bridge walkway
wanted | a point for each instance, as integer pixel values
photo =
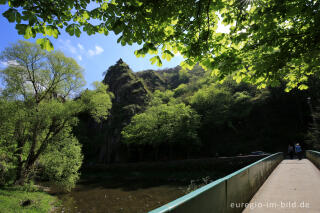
(294, 186)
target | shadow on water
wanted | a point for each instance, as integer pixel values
(126, 194)
(137, 190)
(125, 197)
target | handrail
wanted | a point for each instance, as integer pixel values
(316, 152)
(218, 193)
(314, 157)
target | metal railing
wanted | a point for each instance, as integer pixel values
(223, 194)
(314, 157)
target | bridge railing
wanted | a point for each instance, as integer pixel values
(228, 194)
(314, 157)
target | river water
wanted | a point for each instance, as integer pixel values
(131, 189)
(118, 198)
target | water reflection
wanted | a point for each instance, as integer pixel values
(98, 197)
(128, 190)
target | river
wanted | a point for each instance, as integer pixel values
(141, 187)
(118, 198)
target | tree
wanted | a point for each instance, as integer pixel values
(38, 110)
(213, 104)
(269, 40)
(163, 123)
(60, 163)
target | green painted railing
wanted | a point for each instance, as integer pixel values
(227, 193)
(314, 157)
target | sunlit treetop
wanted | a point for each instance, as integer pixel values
(269, 41)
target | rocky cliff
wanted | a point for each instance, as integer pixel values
(132, 91)
(130, 97)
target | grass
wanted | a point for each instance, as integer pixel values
(11, 199)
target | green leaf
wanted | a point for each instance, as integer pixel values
(45, 43)
(156, 59)
(139, 53)
(12, 15)
(117, 27)
(187, 64)
(21, 28)
(85, 15)
(215, 72)
(153, 60)
(138, 3)
(30, 16)
(169, 30)
(3, 1)
(73, 29)
(119, 39)
(70, 30)
(28, 33)
(104, 6)
(167, 55)
(51, 31)
(303, 87)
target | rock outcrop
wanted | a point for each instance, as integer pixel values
(130, 97)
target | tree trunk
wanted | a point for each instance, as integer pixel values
(19, 173)
(23, 171)
(21, 176)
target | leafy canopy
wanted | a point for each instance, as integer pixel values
(269, 40)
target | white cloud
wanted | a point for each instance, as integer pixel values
(97, 51)
(4, 63)
(91, 52)
(76, 49)
(80, 46)
(8, 63)
(66, 45)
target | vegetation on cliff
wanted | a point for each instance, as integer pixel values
(165, 122)
(188, 113)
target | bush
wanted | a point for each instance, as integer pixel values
(60, 164)
(7, 168)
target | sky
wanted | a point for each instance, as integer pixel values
(95, 53)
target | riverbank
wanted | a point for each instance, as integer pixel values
(26, 200)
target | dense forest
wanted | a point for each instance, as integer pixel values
(178, 114)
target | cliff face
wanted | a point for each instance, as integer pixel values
(131, 94)
(132, 91)
(125, 85)
(130, 97)
(152, 80)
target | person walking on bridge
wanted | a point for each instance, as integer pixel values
(298, 151)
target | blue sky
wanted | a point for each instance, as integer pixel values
(95, 53)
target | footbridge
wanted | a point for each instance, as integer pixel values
(271, 184)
